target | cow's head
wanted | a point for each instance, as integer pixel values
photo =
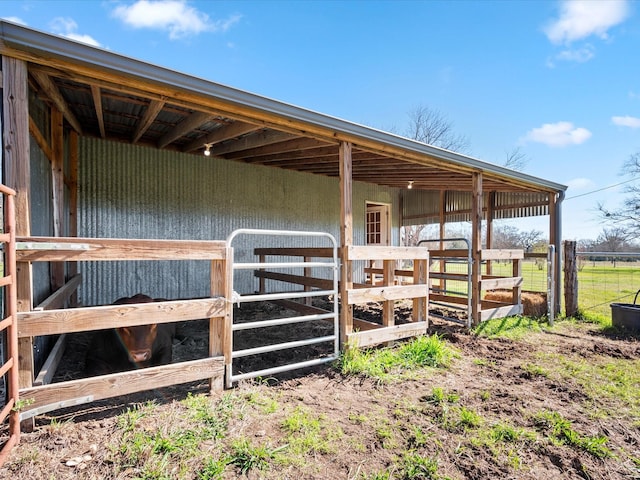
(138, 340)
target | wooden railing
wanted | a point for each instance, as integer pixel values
(50, 319)
(461, 298)
(359, 332)
(8, 324)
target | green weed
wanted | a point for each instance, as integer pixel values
(534, 370)
(515, 327)
(397, 362)
(561, 431)
(309, 433)
(416, 467)
(247, 457)
(439, 396)
(213, 469)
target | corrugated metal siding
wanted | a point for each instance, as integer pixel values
(138, 192)
(423, 207)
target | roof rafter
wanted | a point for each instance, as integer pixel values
(56, 97)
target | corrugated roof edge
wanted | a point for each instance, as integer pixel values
(21, 37)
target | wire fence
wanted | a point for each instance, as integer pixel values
(605, 278)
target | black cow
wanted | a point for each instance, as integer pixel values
(128, 348)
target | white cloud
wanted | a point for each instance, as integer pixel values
(558, 134)
(580, 183)
(175, 16)
(582, 18)
(67, 27)
(579, 55)
(17, 20)
(626, 121)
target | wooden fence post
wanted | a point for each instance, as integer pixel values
(570, 278)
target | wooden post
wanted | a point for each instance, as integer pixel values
(554, 240)
(490, 213)
(476, 248)
(420, 277)
(517, 291)
(220, 334)
(57, 189)
(388, 275)
(73, 204)
(346, 240)
(570, 278)
(442, 283)
(17, 174)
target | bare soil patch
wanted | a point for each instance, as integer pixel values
(491, 377)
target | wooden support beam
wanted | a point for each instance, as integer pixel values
(69, 320)
(41, 249)
(377, 252)
(388, 279)
(16, 155)
(39, 138)
(221, 134)
(74, 392)
(192, 122)
(380, 294)
(260, 139)
(346, 241)
(72, 267)
(220, 329)
(58, 298)
(476, 247)
(57, 189)
(386, 334)
(421, 277)
(489, 235)
(51, 90)
(150, 114)
(97, 105)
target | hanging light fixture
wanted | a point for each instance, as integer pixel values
(410, 186)
(207, 149)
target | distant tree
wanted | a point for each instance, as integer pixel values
(626, 218)
(510, 237)
(516, 159)
(411, 235)
(431, 126)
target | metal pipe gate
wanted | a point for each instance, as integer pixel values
(331, 264)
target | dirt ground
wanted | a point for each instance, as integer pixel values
(489, 376)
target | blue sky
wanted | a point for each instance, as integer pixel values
(559, 80)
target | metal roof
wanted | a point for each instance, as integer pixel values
(111, 96)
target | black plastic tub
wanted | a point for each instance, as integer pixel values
(626, 315)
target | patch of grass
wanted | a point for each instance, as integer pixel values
(213, 468)
(417, 467)
(358, 418)
(266, 404)
(485, 395)
(418, 438)
(247, 457)
(212, 420)
(614, 381)
(458, 418)
(515, 328)
(308, 433)
(439, 396)
(534, 370)
(398, 362)
(130, 418)
(560, 430)
(503, 432)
